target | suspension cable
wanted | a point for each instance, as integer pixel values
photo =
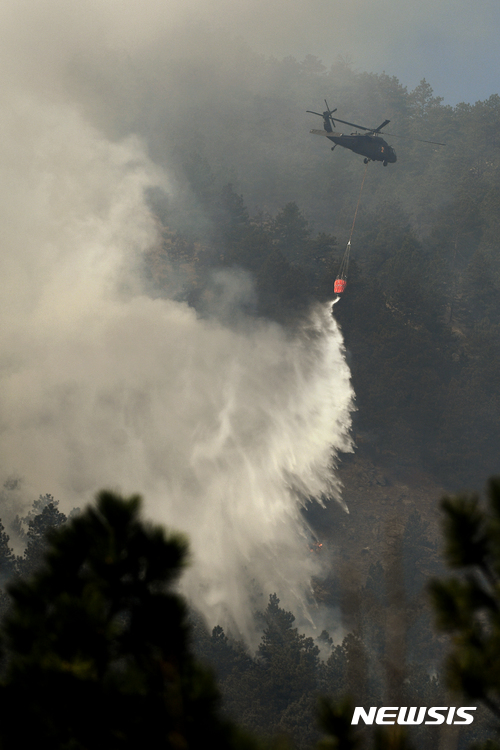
(357, 205)
(341, 280)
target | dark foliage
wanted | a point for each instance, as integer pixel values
(95, 645)
(421, 312)
(468, 606)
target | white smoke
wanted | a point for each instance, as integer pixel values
(225, 429)
(222, 429)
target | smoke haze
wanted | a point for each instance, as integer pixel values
(225, 429)
(451, 43)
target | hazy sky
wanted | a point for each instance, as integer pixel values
(451, 43)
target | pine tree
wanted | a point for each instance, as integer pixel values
(7, 567)
(291, 233)
(468, 606)
(96, 648)
(7, 558)
(38, 527)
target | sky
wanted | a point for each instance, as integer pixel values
(453, 44)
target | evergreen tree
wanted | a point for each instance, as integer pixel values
(288, 657)
(95, 646)
(468, 606)
(7, 557)
(291, 233)
(275, 692)
(7, 568)
(38, 528)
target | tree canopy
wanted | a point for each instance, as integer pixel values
(95, 645)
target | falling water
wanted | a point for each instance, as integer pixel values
(224, 429)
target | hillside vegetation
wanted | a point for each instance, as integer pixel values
(421, 314)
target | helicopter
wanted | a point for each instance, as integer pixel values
(369, 144)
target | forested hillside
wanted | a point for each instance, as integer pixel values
(420, 316)
(255, 192)
(83, 614)
(251, 188)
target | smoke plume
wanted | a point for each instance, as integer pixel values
(226, 428)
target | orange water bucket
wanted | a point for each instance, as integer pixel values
(339, 286)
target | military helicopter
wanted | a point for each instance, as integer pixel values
(369, 144)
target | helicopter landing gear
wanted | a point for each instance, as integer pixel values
(365, 161)
(334, 147)
(384, 163)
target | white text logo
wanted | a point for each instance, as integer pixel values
(414, 715)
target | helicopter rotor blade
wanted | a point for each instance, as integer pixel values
(362, 127)
(328, 108)
(377, 130)
(324, 115)
(410, 138)
(352, 124)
